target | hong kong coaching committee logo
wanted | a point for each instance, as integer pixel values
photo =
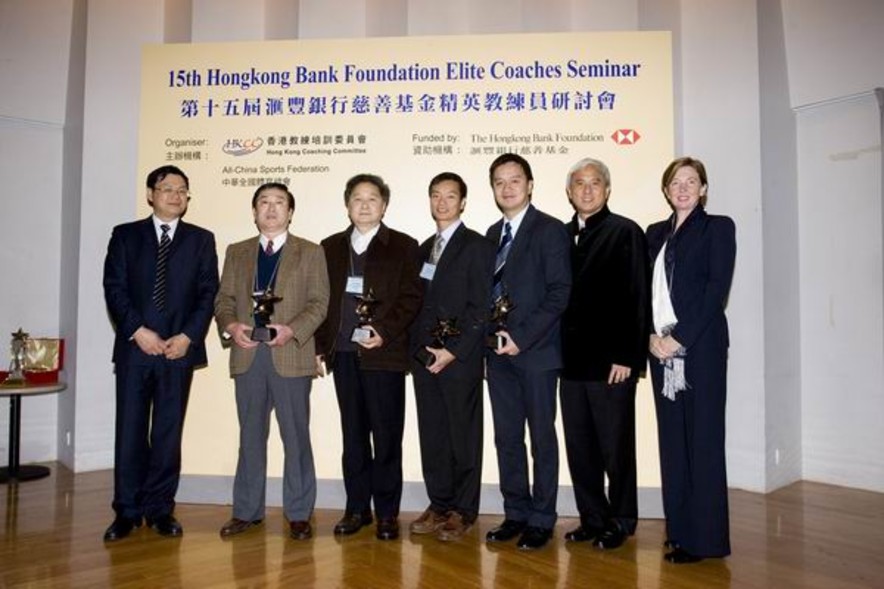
(242, 146)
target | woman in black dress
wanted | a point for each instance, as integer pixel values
(692, 256)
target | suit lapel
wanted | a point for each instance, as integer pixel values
(522, 236)
(425, 250)
(149, 235)
(494, 232)
(573, 228)
(288, 263)
(452, 249)
(182, 234)
(250, 264)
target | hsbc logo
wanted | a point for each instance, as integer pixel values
(625, 136)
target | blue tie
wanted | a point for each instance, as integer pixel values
(500, 261)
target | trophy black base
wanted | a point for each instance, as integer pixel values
(263, 334)
(425, 358)
(494, 342)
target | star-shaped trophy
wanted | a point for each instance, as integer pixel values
(365, 309)
(17, 362)
(264, 304)
(444, 330)
(500, 310)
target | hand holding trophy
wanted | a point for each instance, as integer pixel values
(441, 333)
(365, 310)
(500, 311)
(264, 304)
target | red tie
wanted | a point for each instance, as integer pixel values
(269, 249)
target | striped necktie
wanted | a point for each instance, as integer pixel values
(503, 251)
(437, 249)
(159, 285)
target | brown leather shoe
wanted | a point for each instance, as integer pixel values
(454, 528)
(236, 526)
(429, 522)
(300, 530)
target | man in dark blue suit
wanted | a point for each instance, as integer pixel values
(160, 279)
(532, 270)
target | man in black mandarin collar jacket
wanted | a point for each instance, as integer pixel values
(605, 338)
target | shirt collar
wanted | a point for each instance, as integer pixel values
(449, 231)
(360, 241)
(173, 225)
(278, 241)
(516, 221)
(594, 219)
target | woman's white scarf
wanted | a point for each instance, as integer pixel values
(664, 322)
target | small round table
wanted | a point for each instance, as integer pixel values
(28, 472)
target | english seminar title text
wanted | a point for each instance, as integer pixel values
(395, 72)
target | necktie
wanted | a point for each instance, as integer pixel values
(269, 249)
(502, 251)
(437, 249)
(159, 285)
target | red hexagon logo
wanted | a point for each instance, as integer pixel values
(625, 136)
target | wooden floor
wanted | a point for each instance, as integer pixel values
(806, 535)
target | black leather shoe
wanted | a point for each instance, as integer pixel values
(681, 556)
(388, 528)
(506, 531)
(583, 534)
(352, 523)
(120, 528)
(533, 538)
(300, 530)
(612, 537)
(165, 525)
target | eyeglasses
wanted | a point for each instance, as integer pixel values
(168, 191)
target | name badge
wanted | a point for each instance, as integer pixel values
(428, 271)
(354, 285)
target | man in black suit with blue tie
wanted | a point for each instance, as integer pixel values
(532, 270)
(160, 279)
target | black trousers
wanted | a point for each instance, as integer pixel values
(151, 403)
(372, 407)
(599, 424)
(693, 464)
(449, 418)
(521, 397)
